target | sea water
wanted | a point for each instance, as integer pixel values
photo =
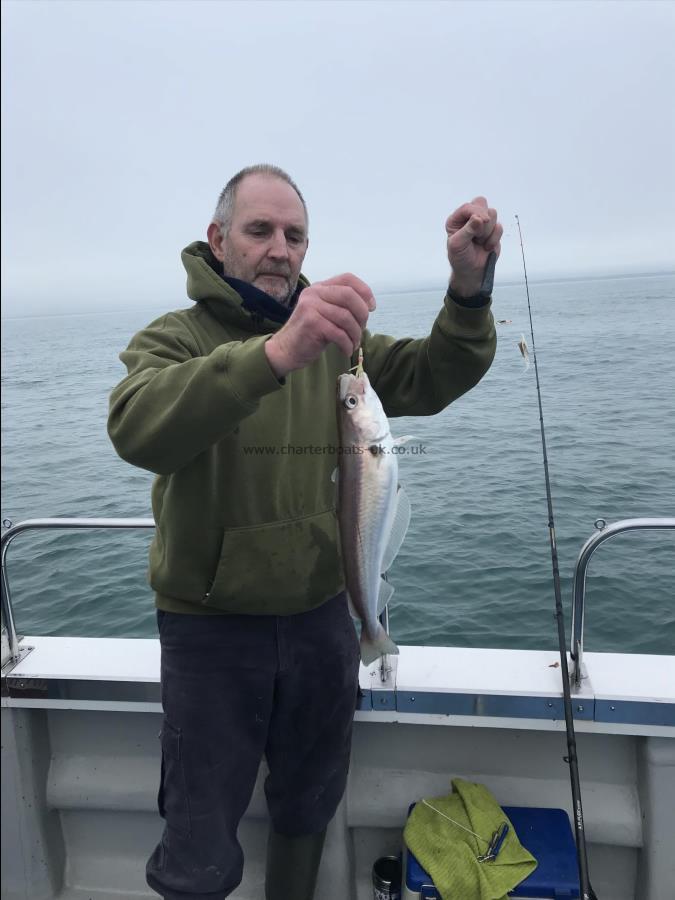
(475, 568)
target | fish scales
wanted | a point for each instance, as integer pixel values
(368, 493)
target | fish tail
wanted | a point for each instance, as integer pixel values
(374, 647)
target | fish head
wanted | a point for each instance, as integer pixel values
(360, 414)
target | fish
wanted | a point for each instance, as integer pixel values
(522, 346)
(373, 510)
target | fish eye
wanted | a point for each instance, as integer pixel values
(350, 401)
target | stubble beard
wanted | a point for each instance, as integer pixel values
(232, 269)
(285, 299)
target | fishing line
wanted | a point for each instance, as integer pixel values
(587, 892)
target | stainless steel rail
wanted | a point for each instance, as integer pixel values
(37, 525)
(605, 532)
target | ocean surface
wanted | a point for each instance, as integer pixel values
(475, 569)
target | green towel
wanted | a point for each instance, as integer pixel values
(448, 853)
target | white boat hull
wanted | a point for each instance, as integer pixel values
(81, 765)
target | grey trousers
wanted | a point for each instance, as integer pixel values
(235, 687)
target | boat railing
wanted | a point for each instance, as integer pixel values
(11, 654)
(604, 533)
(11, 651)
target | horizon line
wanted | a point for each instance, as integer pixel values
(408, 289)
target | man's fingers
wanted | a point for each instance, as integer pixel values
(472, 222)
(471, 231)
(462, 216)
(476, 226)
(346, 297)
(342, 318)
(335, 335)
(361, 288)
(458, 218)
(488, 227)
(492, 242)
(477, 207)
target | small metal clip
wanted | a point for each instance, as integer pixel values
(496, 844)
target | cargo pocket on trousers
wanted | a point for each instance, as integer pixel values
(173, 803)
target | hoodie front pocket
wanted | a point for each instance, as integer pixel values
(287, 566)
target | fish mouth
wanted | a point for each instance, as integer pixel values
(351, 384)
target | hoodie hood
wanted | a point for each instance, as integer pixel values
(232, 301)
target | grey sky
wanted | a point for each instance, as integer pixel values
(123, 120)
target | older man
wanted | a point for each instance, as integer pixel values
(259, 654)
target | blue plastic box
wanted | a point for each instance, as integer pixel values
(547, 835)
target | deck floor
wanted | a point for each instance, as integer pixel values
(367, 847)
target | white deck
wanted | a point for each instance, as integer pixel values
(80, 775)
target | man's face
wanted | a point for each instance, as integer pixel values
(267, 240)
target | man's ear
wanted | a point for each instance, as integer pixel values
(215, 235)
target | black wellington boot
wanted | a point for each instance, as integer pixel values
(292, 865)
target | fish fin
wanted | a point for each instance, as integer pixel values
(334, 475)
(403, 440)
(398, 529)
(384, 596)
(373, 648)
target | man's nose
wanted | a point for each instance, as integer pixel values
(278, 246)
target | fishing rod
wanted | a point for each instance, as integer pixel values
(587, 892)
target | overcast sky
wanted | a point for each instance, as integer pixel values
(123, 120)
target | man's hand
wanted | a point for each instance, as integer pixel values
(473, 233)
(334, 311)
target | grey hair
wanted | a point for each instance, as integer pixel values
(225, 206)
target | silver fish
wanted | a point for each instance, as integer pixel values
(522, 346)
(373, 511)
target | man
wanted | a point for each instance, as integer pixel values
(259, 654)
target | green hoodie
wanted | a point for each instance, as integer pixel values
(243, 501)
